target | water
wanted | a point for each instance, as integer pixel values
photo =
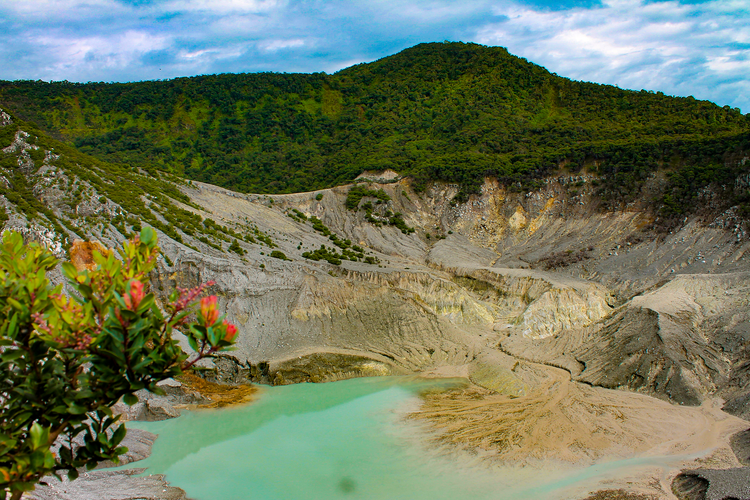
(341, 440)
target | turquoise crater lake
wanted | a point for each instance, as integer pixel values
(339, 440)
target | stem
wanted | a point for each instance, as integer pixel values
(54, 434)
(201, 355)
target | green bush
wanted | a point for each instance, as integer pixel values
(236, 248)
(356, 193)
(276, 254)
(67, 360)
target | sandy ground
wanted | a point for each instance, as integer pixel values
(565, 421)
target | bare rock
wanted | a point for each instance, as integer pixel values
(740, 443)
(713, 484)
(109, 485)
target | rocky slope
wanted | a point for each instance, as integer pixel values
(542, 276)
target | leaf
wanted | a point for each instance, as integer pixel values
(49, 460)
(193, 343)
(65, 454)
(147, 302)
(213, 336)
(12, 326)
(39, 435)
(69, 270)
(76, 409)
(118, 435)
(130, 399)
(6, 443)
(147, 235)
(16, 305)
(11, 355)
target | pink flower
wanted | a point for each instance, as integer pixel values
(134, 298)
(231, 331)
(209, 312)
(188, 295)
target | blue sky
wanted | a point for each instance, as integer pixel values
(687, 47)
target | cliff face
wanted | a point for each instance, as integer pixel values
(596, 293)
(543, 275)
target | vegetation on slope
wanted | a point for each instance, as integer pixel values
(150, 197)
(441, 111)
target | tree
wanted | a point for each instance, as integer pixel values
(66, 360)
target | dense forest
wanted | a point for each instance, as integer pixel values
(451, 111)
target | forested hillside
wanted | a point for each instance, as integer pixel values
(450, 111)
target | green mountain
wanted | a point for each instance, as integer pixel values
(449, 111)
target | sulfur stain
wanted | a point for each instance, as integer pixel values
(82, 254)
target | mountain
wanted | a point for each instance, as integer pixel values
(555, 283)
(454, 112)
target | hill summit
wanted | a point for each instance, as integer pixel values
(456, 112)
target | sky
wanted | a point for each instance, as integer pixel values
(682, 47)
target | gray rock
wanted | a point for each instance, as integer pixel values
(160, 409)
(710, 484)
(108, 485)
(740, 443)
(151, 407)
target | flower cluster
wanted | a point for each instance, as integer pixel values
(134, 296)
(231, 331)
(209, 317)
(187, 296)
(209, 310)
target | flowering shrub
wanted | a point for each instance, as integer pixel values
(66, 360)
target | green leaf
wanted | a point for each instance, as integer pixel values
(118, 435)
(76, 409)
(65, 454)
(193, 343)
(16, 305)
(69, 270)
(11, 355)
(12, 326)
(130, 399)
(146, 303)
(49, 460)
(147, 235)
(39, 435)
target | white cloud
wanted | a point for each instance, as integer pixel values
(635, 45)
(105, 53)
(275, 45)
(208, 55)
(223, 6)
(41, 6)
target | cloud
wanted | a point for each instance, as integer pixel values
(214, 7)
(683, 48)
(276, 45)
(676, 48)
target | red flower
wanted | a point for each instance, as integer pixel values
(231, 331)
(134, 298)
(209, 312)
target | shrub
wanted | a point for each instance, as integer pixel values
(356, 193)
(67, 360)
(276, 254)
(236, 248)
